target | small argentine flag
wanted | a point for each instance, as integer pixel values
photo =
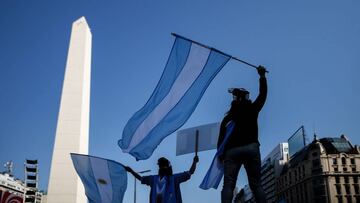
(104, 180)
(188, 72)
(216, 170)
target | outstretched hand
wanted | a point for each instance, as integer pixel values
(196, 159)
(130, 170)
(261, 71)
(193, 165)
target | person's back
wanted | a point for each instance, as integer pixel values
(242, 146)
(245, 115)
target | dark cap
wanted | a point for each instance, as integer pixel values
(238, 91)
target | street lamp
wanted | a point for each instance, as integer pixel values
(141, 172)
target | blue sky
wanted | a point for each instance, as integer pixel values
(311, 49)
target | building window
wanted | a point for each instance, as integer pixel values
(290, 178)
(343, 160)
(347, 189)
(334, 161)
(303, 191)
(339, 199)
(338, 189)
(345, 169)
(356, 179)
(336, 169)
(352, 161)
(303, 170)
(348, 198)
(346, 179)
(356, 188)
(353, 169)
(337, 179)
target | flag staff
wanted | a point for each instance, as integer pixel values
(212, 48)
(135, 183)
(196, 142)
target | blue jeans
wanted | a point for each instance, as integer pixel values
(249, 155)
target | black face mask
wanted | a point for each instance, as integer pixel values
(243, 97)
(165, 171)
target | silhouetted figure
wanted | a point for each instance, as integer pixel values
(242, 146)
(165, 187)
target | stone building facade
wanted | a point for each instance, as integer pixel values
(326, 170)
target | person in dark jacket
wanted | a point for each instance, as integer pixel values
(165, 187)
(242, 146)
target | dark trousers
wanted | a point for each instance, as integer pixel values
(249, 156)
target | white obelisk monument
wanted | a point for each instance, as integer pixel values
(72, 132)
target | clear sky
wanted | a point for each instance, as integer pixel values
(311, 49)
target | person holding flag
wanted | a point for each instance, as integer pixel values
(165, 187)
(241, 144)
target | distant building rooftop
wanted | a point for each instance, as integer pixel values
(337, 145)
(330, 146)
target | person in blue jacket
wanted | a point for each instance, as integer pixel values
(165, 187)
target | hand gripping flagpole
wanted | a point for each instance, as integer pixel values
(211, 48)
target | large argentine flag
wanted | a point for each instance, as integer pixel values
(104, 180)
(188, 72)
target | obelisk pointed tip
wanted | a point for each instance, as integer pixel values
(81, 20)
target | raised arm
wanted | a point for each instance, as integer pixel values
(261, 98)
(193, 165)
(130, 170)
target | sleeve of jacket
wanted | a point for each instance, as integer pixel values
(261, 98)
(182, 177)
(147, 180)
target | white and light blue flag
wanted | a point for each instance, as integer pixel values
(104, 180)
(188, 72)
(216, 170)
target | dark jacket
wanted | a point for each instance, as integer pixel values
(245, 115)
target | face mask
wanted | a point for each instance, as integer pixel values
(165, 171)
(241, 97)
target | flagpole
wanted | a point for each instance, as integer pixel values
(196, 142)
(141, 172)
(212, 48)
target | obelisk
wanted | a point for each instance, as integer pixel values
(72, 132)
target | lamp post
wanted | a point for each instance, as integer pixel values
(141, 172)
